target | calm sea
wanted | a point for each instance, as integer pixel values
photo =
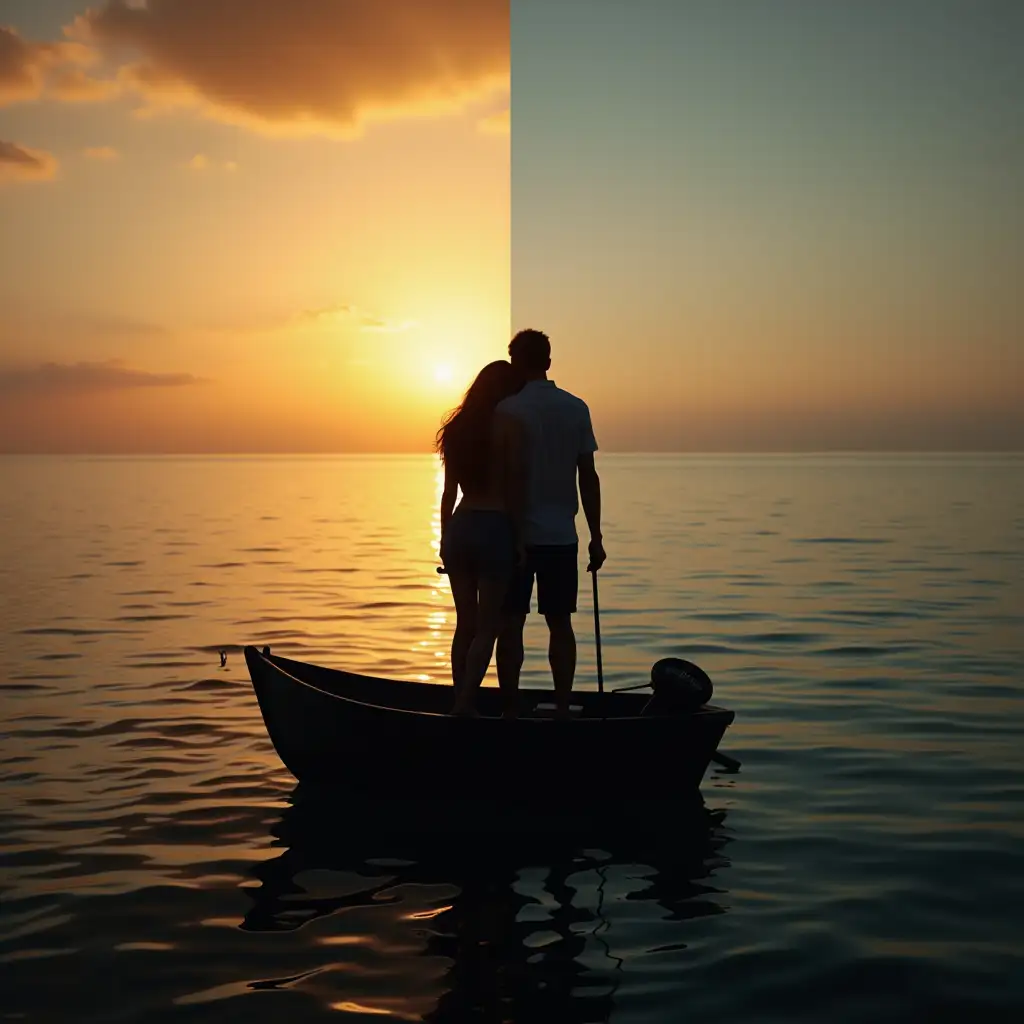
(863, 615)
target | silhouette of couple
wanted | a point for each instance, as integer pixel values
(515, 447)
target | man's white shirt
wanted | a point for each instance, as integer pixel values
(557, 431)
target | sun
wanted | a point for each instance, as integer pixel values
(443, 373)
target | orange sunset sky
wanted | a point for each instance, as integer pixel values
(302, 226)
(249, 227)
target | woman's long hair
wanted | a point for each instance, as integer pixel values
(464, 440)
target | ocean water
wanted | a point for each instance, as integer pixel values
(863, 615)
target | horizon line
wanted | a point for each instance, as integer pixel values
(247, 453)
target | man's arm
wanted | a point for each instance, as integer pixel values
(590, 497)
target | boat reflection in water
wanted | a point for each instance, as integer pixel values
(523, 922)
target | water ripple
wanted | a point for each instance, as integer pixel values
(864, 864)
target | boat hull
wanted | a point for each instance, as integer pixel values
(378, 737)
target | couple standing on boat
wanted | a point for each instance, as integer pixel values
(515, 447)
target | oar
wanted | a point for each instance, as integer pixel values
(718, 757)
(597, 634)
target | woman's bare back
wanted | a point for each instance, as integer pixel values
(491, 494)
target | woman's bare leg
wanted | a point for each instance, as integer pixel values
(463, 586)
(491, 596)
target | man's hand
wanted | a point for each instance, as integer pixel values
(597, 555)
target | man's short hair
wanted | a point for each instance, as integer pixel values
(530, 351)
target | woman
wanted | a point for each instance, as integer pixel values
(479, 545)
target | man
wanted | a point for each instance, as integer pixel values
(556, 444)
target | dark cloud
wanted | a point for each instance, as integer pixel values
(20, 163)
(20, 67)
(84, 378)
(24, 64)
(306, 65)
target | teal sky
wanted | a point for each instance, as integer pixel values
(775, 225)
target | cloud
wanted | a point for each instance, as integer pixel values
(111, 325)
(499, 123)
(344, 314)
(371, 325)
(326, 313)
(101, 153)
(308, 66)
(50, 379)
(324, 320)
(21, 72)
(24, 65)
(201, 162)
(337, 314)
(20, 163)
(73, 85)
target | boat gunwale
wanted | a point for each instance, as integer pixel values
(706, 710)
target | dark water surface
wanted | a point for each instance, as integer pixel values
(864, 616)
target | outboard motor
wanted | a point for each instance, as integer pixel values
(680, 687)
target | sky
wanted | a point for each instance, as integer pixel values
(790, 225)
(302, 226)
(249, 227)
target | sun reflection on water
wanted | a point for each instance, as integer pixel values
(437, 620)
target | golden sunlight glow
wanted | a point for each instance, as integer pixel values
(259, 319)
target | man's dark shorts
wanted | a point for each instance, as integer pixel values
(556, 567)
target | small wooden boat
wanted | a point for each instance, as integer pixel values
(363, 735)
